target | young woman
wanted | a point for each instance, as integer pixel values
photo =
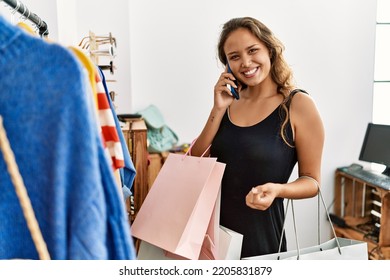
(260, 136)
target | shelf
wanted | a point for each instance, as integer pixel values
(366, 211)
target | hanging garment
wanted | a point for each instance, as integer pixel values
(27, 28)
(104, 113)
(50, 121)
(110, 132)
(89, 68)
(128, 172)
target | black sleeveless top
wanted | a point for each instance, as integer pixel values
(254, 155)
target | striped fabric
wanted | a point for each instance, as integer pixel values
(109, 132)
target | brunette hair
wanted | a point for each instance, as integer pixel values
(280, 72)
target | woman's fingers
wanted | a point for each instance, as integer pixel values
(258, 199)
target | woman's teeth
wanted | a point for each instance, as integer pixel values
(250, 72)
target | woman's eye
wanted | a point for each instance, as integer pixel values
(253, 50)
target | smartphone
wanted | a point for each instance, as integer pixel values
(232, 89)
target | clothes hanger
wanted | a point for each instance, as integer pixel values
(110, 67)
(22, 24)
(83, 43)
(17, 6)
(100, 40)
(14, 10)
(111, 51)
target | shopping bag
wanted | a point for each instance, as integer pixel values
(230, 244)
(147, 251)
(220, 243)
(209, 249)
(177, 210)
(334, 249)
(229, 248)
(329, 250)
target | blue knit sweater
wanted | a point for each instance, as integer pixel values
(48, 115)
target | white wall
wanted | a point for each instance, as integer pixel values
(167, 56)
(77, 18)
(103, 17)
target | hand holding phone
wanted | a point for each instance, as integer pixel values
(232, 89)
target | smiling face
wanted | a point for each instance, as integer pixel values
(248, 57)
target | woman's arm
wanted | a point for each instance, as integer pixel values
(208, 133)
(222, 100)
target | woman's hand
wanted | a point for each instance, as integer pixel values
(222, 95)
(261, 197)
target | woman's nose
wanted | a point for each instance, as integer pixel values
(246, 62)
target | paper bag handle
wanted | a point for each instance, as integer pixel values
(192, 144)
(294, 223)
(22, 195)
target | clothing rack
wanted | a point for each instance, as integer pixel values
(26, 13)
